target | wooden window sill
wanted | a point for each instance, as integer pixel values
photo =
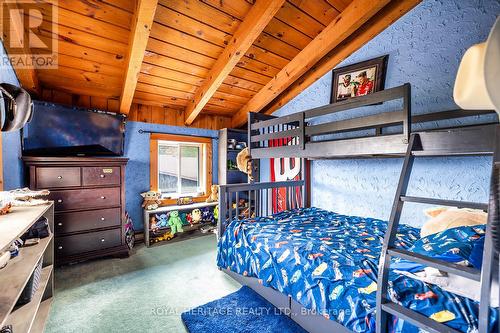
(173, 202)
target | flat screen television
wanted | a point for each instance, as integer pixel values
(57, 130)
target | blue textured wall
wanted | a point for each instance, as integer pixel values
(11, 141)
(425, 47)
(137, 172)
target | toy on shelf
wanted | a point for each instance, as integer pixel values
(231, 143)
(5, 208)
(175, 222)
(21, 197)
(216, 213)
(196, 216)
(163, 220)
(165, 237)
(207, 215)
(185, 200)
(214, 194)
(151, 200)
(152, 223)
(27, 197)
(231, 165)
(188, 218)
(241, 203)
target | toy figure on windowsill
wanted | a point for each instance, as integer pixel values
(214, 194)
(151, 200)
(175, 222)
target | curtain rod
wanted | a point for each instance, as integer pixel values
(141, 131)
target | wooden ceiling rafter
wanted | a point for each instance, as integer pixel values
(387, 16)
(256, 20)
(139, 35)
(353, 17)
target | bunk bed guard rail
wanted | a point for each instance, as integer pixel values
(303, 134)
(258, 200)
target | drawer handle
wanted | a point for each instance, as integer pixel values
(59, 200)
(102, 218)
(59, 177)
(102, 176)
(59, 247)
(102, 240)
(59, 224)
(103, 197)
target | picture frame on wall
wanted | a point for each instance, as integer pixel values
(362, 78)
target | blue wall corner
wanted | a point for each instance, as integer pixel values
(425, 48)
(11, 141)
(137, 171)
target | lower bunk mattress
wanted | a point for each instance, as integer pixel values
(328, 263)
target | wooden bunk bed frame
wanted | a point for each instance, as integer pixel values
(303, 139)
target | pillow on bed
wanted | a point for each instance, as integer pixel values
(459, 245)
(442, 219)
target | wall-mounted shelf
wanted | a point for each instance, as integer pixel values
(230, 176)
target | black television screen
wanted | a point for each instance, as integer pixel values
(58, 130)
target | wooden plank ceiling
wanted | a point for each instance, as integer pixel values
(204, 63)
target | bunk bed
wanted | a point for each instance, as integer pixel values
(270, 251)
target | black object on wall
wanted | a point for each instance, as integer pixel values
(16, 107)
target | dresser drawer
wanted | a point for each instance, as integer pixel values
(86, 199)
(101, 176)
(58, 177)
(92, 241)
(87, 220)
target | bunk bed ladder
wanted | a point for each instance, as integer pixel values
(384, 305)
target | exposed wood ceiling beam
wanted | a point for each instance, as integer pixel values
(27, 76)
(254, 23)
(139, 35)
(383, 19)
(353, 17)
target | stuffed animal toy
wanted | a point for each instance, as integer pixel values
(163, 222)
(25, 197)
(196, 216)
(216, 212)
(188, 218)
(5, 208)
(244, 162)
(442, 219)
(185, 218)
(214, 194)
(175, 222)
(207, 215)
(152, 223)
(151, 200)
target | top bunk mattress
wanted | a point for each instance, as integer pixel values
(328, 263)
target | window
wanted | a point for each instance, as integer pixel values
(180, 165)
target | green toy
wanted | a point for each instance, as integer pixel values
(216, 212)
(175, 222)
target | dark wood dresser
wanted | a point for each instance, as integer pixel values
(89, 202)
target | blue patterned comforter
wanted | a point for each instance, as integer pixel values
(328, 263)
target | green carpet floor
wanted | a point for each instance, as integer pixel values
(146, 292)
